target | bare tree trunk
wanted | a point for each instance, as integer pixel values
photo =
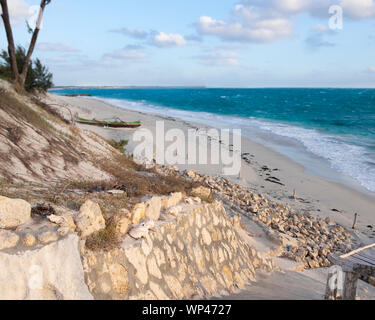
(11, 46)
(33, 42)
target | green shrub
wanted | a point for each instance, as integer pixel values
(38, 77)
(119, 145)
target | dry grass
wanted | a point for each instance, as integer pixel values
(118, 145)
(136, 180)
(49, 109)
(19, 110)
(106, 239)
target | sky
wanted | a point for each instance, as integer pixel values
(213, 43)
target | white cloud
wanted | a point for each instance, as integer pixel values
(133, 33)
(263, 21)
(219, 59)
(54, 47)
(267, 30)
(358, 9)
(19, 11)
(162, 39)
(125, 54)
(317, 36)
(372, 69)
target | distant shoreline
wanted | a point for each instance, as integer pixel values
(204, 87)
(127, 87)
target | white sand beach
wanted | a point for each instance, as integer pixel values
(313, 194)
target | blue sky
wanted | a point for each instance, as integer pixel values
(226, 43)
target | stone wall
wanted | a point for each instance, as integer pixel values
(170, 248)
(198, 253)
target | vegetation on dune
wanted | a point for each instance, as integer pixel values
(20, 69)
(38, 76)
(119, 145)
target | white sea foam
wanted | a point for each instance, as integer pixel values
(349, 159)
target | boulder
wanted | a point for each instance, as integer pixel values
(13, 212)
(172, 200)
(8, 239)
(201, 192)
(89, 219)
(47, 237)
(122, 225)
(53, 271)
(153, 207)
(138, 213)
(29, 240)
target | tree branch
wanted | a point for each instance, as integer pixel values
(9, 34)
(34, 38)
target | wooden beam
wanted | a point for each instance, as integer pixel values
(350, 285)
(358, 250)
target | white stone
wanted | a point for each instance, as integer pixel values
(63, 231)
(201, 192)
(52, 272)
(122, 226)
(153, 268)
(175, 211)
(189, 201)
(138, 260)
(56, 219)
(29, 240)
(8, 239)
(47, 237)
(153, 207)
(116, 192)
(90, 219)
(206, 237)
(140, 231)
(13, 212)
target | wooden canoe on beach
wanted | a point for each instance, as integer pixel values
(111, 124)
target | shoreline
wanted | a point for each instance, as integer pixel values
(314, 194)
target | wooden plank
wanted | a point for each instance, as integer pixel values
(350, 286)
(345, 264)
(368, 256)
(371, 246)
(358, 260)
(365, 258)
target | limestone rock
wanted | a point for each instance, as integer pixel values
(201, 192)
(116, 192)
(122, 226)
(51, 272)
(172, 200)
(13, 212)
(153, 207)
(67, 215)
(138, 213)
(29, 240)
(56, 219)
(140, 231)
(90, 219)
(47, 237)
(63, 231)
(119, 278)
(175, 211)
(8, 239)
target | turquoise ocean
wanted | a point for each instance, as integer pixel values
(333, 126)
